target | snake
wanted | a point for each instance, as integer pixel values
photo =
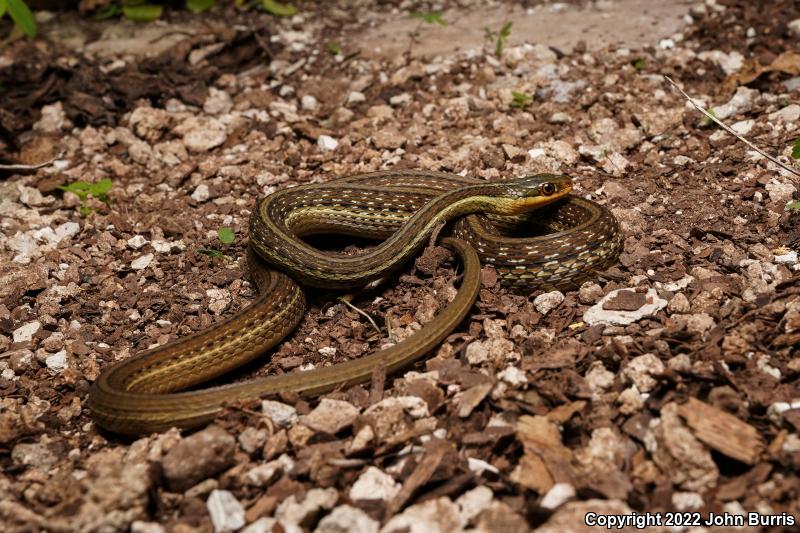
(530, 229)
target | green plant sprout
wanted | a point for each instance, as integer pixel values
(84, 190)
(140, 11)
(521, 100)
(639, 63)
(796, 149)
(20, 14)
(430, 17)
(225, 236)
(210, 252)
(198, 6)
(334, 48)
(276, 8)
(499, 37)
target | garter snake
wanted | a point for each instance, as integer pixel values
(141, 394)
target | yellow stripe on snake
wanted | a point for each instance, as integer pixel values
(402, 208)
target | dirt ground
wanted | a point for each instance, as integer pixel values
(542, 411)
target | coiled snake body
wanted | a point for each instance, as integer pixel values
(139, 394)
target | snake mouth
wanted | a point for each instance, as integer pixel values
(520, 206)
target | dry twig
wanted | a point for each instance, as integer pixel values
(730, 130)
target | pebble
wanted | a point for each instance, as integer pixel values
(789, 258)
(201, 134)
(560, 117)
(197, 457)
(474, 502)
(439, 515)
(598, 378)
(630, 400)
(740, 104)
(792, 84)
(730, 63)
(53, 119)
(743, 127)
(558, 494)
(140, 526)
(265, 525)
(374, 484)
(355, 97)
(293, 513)
(513, 376)
(590, 292)
(790, 114)
(227, 514)
(678, 453)
(220, 300)
(330, 416)
(281, 414)
(57, 362)
(700, 323)
(780, 192)
(136, 242)
(679, 304)
(38, 455)
(344, 519)
(775, 411)
(26, 332)
(544, 303)
(476, 353)
(327, 143)
(263, 475)
(201, 193)
(252, 439)
(400, 99)
(597, 315)
(217, 102)
(308, 102)
(640, 371)
(142, 262)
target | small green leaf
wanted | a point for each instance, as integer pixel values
(796, 149)
(79, 188)
(101, 188)
(84, 189)
(276, 8)
(520, 100)
(210, 252)
(795, 206)
(198, 6)
(430, 17)
(638, 64)
(334, 48)
(226, 235)
(107, 12)
(22, 16)
(505, 31)
(142, 13)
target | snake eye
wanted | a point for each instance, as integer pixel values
(548, 189)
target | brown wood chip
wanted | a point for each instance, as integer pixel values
(723, 431)
(626, 301)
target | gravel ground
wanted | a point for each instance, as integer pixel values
(669, 383)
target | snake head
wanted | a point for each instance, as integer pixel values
(534, 191)
(546, 187)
